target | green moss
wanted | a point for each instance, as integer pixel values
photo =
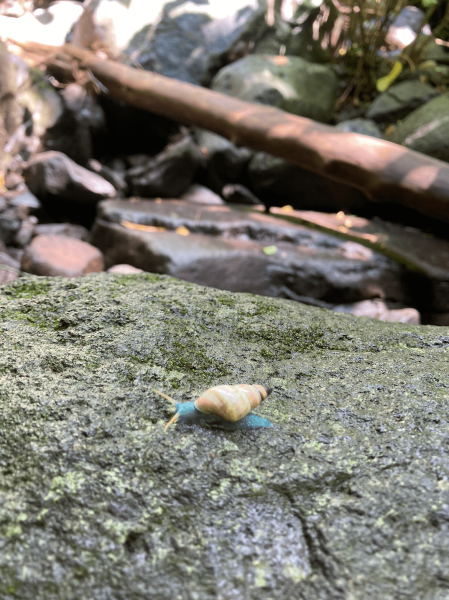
(26, 287)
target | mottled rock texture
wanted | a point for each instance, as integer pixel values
(346, 497)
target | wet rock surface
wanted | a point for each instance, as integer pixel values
(243, 251)
(345, 497)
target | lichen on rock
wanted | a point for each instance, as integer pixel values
(346, 496)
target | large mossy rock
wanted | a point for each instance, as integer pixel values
(286, 82)
(346, 497)
(426, 129)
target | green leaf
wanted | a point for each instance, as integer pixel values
(270, 250)
(384, 82)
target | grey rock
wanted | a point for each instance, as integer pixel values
(72, 133)
(287, 82)
(345, 497)
(436, 52)
(26, 199)
(201, 195)
(426, 129)
(241, 251)
(169, 174)
(239, 194)
(116, 178)
(277, 182)
(9, 225)
(192, 39)
(400, 100)
(55, 175)
(225, 162)
(363, 126)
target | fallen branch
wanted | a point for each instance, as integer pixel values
(384, 171)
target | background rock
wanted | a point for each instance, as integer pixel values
(57, 255)
(53, 175)
(191, 40)
(426, 129)
(169, 174)
(72, 133)
(400, 100)
(286, 82)
(223, 162)
(244, 252)
(363, 126)
(66, 229)
(277, 183)
(198, 194)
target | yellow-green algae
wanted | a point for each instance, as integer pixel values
(346, 497)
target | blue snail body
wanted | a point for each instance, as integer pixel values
(189, 415)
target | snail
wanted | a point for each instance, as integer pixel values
(226, 405)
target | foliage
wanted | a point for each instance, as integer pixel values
(355, 35)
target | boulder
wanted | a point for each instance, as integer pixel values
(345, 497)
(425, 256)
(58, 255)
(286, 82)
(191, 40)
(378, 309)
(235, 193)
(224, 162)
(169, 174)
(278, 183)
(426, 129)
(242, 251)
(400, 100)
(124, 270)
(53, 175)
(72, 133)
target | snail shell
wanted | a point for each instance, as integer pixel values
(231, 402)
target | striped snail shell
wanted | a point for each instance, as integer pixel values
(231, 402)
(229, 406)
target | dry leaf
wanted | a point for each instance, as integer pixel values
(182, 231)
(138, 227)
